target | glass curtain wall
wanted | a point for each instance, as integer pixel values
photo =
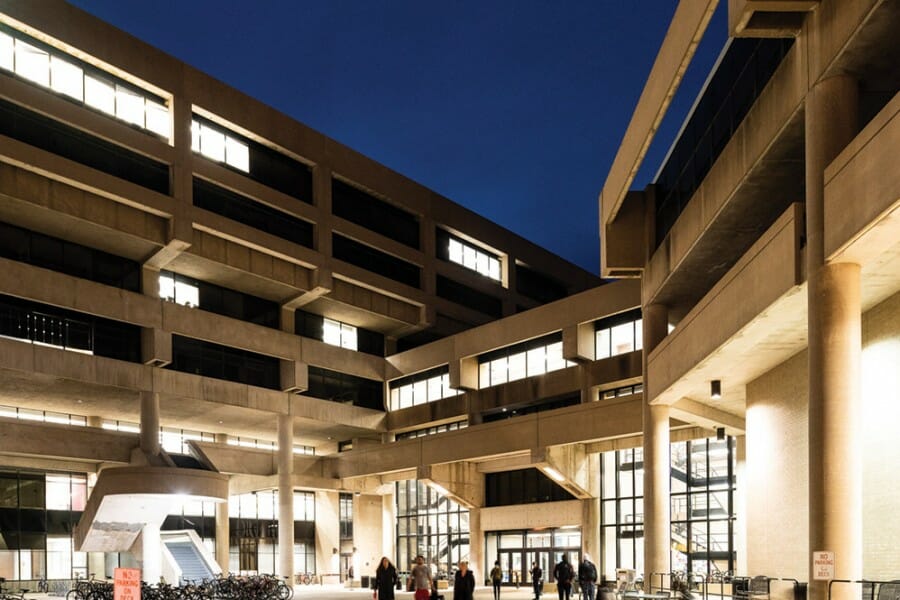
(37, 513)
(516, 550)
(702, 508)
(431, 525)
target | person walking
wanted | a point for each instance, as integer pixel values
(587, 577)
(386, 580)
(563, 573)
(537, 580)
(463, 582)
(422, 579)
(496, 579)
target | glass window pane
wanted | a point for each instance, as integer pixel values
(99, 94)
(237, 154)
(494, 269)
(331, 332)
(420, 392)
(158, 119)
(484, 375)
(537, 361)
(348, 337)
(129, 106)
(638, 334)
(555, 358)
(469, 258)
(195, 136)
(7, 51)
(66, 78)
(455, 251)
(435, 389)
(622, 337)
(406, 396)
(498, 371)
(32, 63)
(212, 143)
(601, 344)
(483, 263)
(517, 366)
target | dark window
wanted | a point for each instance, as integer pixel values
(373, 260)
(373, 213)
(272, 168)
(468, 297)
(348, 389)
(67, 257)
(52, 136)
(524, 486)
(68, 329)
(417, 339)
(250, 212)
(508, 412)
(619, 319)
(742, 73)
(538, 286)
(221, 362)
(345, 512)
(231, 303)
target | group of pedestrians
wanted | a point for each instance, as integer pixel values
(386, 580)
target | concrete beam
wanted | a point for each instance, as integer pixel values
(462, 482)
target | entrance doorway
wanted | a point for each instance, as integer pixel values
(511, 565)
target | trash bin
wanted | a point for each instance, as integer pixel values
(800, 589)
(365, 581)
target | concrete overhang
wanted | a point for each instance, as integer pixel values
(127, 498)
(767, 18)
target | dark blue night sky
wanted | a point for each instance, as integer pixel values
(512, 108)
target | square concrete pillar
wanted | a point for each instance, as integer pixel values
(156, 347)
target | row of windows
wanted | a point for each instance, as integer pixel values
(421, 388)
(217, 145)
(522, 360)
(264, 505)
(417, 433)
(472, 258)
(522, 486)
(244, 442)
(618, 335)
(39, 64)
(223, 301)
(430, 525)
(337, 333)
(222, 362)
(43, 416)
(620, 392)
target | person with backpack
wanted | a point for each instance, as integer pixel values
(587, 577)
(496, 579)
(563, 573)
(537, 580)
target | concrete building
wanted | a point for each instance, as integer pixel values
(223, 330)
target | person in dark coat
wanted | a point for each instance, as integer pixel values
(385, 580)
(463, 582)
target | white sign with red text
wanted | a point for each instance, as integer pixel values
(823, 565)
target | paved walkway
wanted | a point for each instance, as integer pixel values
(323, 592)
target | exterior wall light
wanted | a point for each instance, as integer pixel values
(715, 389)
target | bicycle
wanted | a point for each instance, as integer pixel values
(6, 594)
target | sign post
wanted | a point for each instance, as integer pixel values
(823, 565)
(127, 584)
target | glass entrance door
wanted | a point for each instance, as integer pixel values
(542, 558)
(511, 565)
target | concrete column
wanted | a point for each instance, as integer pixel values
(150, 424)
(590, 528)
(151, 552)
(834, 315)
(223, 536)
(831, 123)
(285, 496)
(476, 546)
(388, 525)
(740, 504)
(835, 418)
(657, 529)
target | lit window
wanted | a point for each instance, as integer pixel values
(100, 94)
(7, 50)
(456, 251)
(129, 106)
(158, 119)
(435, 391)
(237, 154)
(517, 367)
(179, 292)
(339, 334)
(217, 145)
(618, 339)
(473, 258)
(420, 390)
(535, 361)
(32, 63)
(66, 78)
(622, 338)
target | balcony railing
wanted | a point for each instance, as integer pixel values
(45, 329)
